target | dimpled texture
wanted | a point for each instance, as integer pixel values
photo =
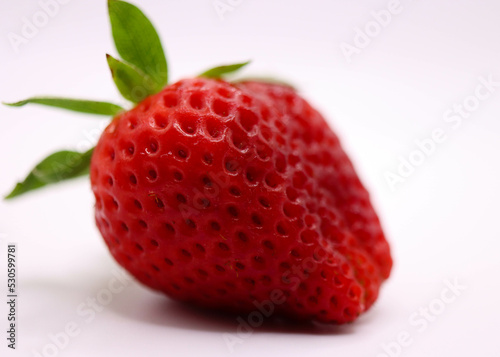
(230, 196)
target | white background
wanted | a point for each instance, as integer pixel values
(442, 221)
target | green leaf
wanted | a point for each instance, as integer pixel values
(137, 41)
(57, 167)
(132, 83)
(270, 80)
(220, 71)
(82, 106)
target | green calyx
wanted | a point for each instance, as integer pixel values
(76, 105)
(142, 71)
(132, 83)
(220, 71)
(59, 166)
(138, 43)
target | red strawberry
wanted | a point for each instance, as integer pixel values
(226, 195)
(218, 194)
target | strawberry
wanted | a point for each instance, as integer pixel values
(212, 193)
(226, 195)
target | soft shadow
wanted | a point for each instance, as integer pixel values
(137, 303)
